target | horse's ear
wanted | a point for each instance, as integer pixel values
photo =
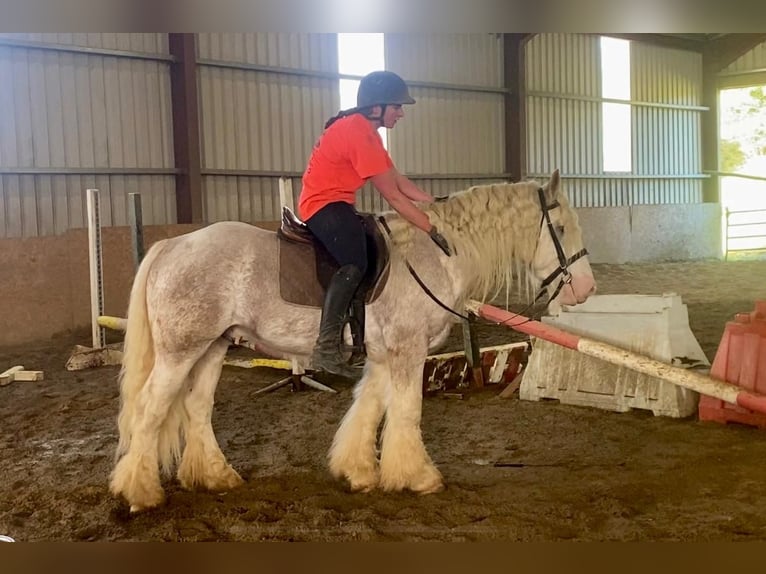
(552, 187)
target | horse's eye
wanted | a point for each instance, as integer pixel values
(560, 230)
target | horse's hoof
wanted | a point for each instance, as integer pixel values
(229, 481)
(428, 481)
(433, 489)
(136, 508)
(363, 486)
(431, 483)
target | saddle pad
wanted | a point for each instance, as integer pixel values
(303, 274)
(298, 282)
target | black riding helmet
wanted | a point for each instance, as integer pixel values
(381, 89)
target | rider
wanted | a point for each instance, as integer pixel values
(348, 153)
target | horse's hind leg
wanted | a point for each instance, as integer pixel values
(353, 453)
(203, 464)
(404, 462)
(136, 475)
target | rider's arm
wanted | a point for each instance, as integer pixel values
(386, 184)
(408, 188)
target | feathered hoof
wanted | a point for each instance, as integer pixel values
(432, 488)
(359, 480)
(363, 484)
(229, 480)
(137, 508)
(142, 501)
(428, 481)
(215, 481)
(141, 491)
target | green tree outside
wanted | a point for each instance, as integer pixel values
(732, 156)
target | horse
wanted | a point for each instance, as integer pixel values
(191, 292)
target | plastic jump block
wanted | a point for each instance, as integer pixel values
(740, 360)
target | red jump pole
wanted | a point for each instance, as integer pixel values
(676, 375)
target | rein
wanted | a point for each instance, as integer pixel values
(562, 270)
(419, 281)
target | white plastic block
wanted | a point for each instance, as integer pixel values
(656, 326)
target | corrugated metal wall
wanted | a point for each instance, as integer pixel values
(564, 123)
(263, 101)
(563, 114)
(265, 97)
(93, 110)
(456, 127)
(80, 111)
(666, 137)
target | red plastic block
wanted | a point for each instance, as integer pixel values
(739, 360)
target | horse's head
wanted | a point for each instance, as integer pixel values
(560, 262)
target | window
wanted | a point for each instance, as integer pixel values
(615, 84)
(358, 55)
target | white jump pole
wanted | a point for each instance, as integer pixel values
(96, 269)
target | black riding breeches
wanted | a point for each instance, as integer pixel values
(339, 228)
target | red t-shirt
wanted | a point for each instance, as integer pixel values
(348, 153)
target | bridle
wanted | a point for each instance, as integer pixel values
(564, 263)
(562, 272)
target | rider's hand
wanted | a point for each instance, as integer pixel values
(438, 238)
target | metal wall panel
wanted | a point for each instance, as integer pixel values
(260, 121)
(449, 131)
(666, 141)
(616, 192)
(316, 52)
(564, 64)
(37, 205)
(755, 59)
(563, 132)
(243, 198)
(70, 113)
(564, 122)
(149, 43)
(664, 75)
(457, 131)
(467, 59)
(81, 111)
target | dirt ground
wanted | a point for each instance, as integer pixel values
(580, 473)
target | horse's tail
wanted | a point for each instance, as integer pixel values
(138, 350)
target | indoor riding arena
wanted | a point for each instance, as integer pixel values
(110, 142)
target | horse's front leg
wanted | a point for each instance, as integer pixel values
(404, 462)
(353, 454)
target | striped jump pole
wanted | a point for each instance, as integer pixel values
(611, 354)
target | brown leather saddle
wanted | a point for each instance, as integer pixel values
(306, 267)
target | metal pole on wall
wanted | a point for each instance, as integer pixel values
(96, 268)
(135, 220)
(286, 193)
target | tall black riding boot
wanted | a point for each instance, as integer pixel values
(327, 352)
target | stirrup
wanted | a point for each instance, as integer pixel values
(358, 355)
(335, 365)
